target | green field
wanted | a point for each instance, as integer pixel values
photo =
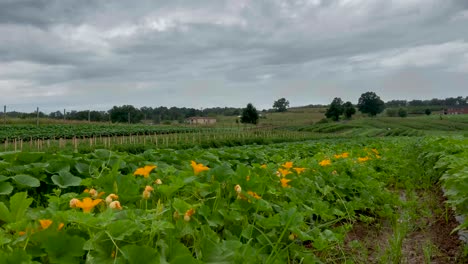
(294, 190)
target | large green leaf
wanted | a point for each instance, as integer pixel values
(26, 180)
(140, 254)
(18, 256)
(5, 188)
(19, 203)
(65, 179)
(63, 248)
(122, 228)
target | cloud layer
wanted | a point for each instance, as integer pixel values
(94, 54)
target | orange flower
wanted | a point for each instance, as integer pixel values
(337, 156)
(263, 166)
(61, 225)
(22, 233)
(45, 223)
(254, 195)
(283, 172)
(284, 182)
(345, 155)
(299, 170)
(87, 204)
(288, 165)
(325, 162)
(188, 214)
(361, 160)
(145, 171)
(149, 188)
(198, 167)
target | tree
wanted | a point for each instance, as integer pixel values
(249, 115)
(123, 113)
(281, 105)
(402, 112)
(370, 103)
(428, 111)
(348, 110)
(335, 109)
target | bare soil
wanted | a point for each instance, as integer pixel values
(429, 238)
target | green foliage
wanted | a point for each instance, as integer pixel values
(427, 111)
(371, 104)
(249, 115)
(126, 114)
(335, 110)
(348, 110)
(204, 218)
(281, 105)
(402, 112)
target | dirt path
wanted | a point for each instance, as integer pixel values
(420, 233)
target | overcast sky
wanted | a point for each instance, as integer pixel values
(84, 54)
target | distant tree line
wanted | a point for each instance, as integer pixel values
(450, 101)
(129, 113)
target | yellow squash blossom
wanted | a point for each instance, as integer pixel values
(86, 205)
(337, 156)
(344, 154)
(284, 182)
(284, 172)
(198, 167)
(263, 166)
(288, 165)
(299, 170)
(45, 223)
(325, 162)
(361, 160)
(254, 195)
(61, 225)
(145, 171)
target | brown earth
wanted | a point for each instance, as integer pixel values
(430, 232)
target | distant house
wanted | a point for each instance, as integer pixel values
(199, 120)
(456, 110)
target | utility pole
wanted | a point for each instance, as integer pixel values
(4, 114)
(37, 116)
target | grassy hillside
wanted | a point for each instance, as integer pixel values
(384, 126)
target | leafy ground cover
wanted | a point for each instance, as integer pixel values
(280, 203)
(49, 131)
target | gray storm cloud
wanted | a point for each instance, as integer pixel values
(57, 54)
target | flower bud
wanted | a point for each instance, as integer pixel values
(238, 188)
(73, 202)
(115, 205)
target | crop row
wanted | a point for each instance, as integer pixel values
(281, 203)
(28, 132)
